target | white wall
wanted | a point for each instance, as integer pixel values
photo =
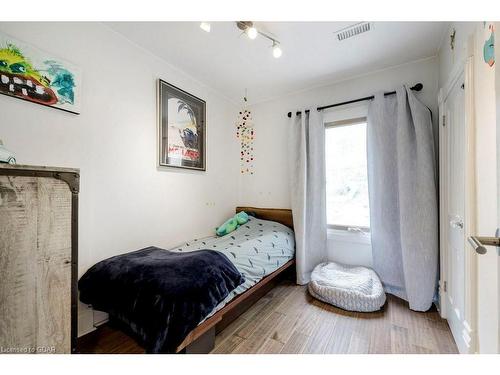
(486, 198)
(268, 186)
(125, 202)
(447, 57)
(486, 171)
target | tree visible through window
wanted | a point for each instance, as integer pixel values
(346, 174)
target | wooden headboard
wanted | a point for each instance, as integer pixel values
(280, 215)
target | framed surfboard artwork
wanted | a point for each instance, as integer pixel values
(182, 128)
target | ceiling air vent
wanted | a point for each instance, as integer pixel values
(353, 30)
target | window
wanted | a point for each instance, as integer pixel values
(346, 175)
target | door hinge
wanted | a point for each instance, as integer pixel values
(444, 120)
(445, 286)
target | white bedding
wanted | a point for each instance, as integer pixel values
(256, 248)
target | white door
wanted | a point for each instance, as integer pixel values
(454, 113)
(497, 97)
(469, 205)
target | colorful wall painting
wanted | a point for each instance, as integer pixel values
(30, 74)
(245, 132)
(489, 45)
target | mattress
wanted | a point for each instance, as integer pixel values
(256, 248)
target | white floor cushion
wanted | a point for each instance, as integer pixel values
(351, 288)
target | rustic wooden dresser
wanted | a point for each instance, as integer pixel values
(38, 259)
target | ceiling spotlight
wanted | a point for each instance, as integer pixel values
(205, 26)
(277, 52)
(251, 32)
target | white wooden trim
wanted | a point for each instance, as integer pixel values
(443, 207)
(456, 73)
(471, 283)
(355, 110)
(349, 237)
(467, 340)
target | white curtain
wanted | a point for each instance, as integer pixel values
(308, 196)
(403, 197)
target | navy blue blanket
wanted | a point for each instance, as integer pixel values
(160, 296)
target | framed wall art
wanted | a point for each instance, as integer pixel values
(36, 76)
(182, 128)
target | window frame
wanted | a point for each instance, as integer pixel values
(348, 121)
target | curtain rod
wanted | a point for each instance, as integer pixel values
(417, 87)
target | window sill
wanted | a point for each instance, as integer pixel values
(346, 236)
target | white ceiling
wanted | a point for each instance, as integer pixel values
(229, 62)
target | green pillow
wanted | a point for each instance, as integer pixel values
(226, 228)
(241, 217)
(232, 224)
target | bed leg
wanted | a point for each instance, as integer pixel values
(203, 344)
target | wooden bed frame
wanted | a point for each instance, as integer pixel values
(202, 338)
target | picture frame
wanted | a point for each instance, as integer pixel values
(37, 76)
(181, 128)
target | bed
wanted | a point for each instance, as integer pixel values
(262, 250)
(201, 339)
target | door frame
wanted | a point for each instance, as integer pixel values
(497, 99)
(467, 339)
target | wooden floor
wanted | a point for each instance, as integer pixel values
(288, 320)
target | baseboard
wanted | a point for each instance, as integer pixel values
(85, 320)
(464, 338)
(89, 319)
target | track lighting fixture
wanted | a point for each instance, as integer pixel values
(252, 32)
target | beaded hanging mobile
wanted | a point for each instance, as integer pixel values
(246, 134)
